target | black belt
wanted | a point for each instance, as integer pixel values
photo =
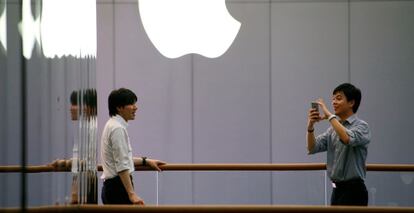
(347, 183)
(116, 179)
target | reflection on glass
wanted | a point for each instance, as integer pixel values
(64, 27)
(3, 96)
(84, 110)
(390, 188)
(59, 44)
(3, 26)
(29, 28)
(407, 178)
(68, 27)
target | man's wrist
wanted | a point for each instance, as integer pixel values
(331, 117)
(144, 161)
(310, 127)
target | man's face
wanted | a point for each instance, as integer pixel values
(128, 111)
(340, 104)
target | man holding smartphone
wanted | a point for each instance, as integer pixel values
(346, 143)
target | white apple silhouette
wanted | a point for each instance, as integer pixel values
(180, 27)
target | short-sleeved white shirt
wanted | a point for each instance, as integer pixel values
(116, 151)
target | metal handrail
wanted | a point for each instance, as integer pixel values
(212, 208)
(220, 167)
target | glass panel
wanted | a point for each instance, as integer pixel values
(145, 185)
(390, 188)
(232, 187)
(299, 187)
(244, 187)
(289, 187)
(3, 95)
(10, 106)
(175, 187)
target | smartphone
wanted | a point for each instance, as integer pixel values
(315, 105)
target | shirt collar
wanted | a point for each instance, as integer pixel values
(121, 120)
(350, 119)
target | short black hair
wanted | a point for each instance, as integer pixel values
(351, 93)
(119, 98)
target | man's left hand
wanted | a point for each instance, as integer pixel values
(155, 164)
(324, 108)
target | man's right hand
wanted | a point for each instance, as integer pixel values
(313, 117)
(135, 199)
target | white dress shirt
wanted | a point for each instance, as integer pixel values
(116, 152)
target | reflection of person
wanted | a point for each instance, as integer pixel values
(74, 113)
(116, 152)
(346, 142)
(74, 108)
(87, 108)
(61, 163)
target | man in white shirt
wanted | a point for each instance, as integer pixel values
(116, 153)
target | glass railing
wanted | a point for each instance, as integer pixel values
(390, 188)
(254, 185)
(241, 187)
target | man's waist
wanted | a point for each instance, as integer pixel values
(347, 183)
(114, 179)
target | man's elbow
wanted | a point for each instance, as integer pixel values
(310, 150)
(346, 140)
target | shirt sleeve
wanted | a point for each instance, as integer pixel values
(120, 149)
(321, 143)
(359, 135)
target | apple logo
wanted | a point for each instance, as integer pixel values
(180, 27)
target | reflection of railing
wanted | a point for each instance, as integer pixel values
(211, 208)
(223, 167)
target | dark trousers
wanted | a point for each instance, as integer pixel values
(113, 192)
(350, 193)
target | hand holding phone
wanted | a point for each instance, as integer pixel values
(315, 105)
(313, 116)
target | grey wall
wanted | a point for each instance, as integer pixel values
(248, 106)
